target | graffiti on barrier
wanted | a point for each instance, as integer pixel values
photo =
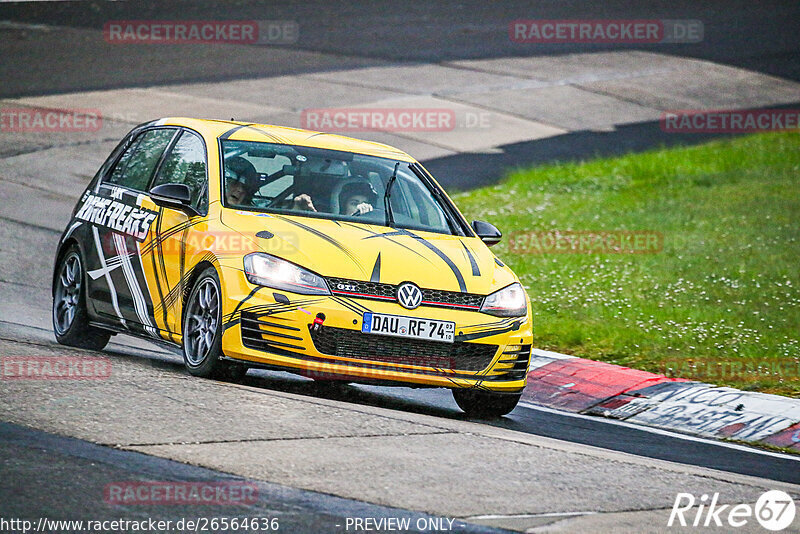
(711, 421)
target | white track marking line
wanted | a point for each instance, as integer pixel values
(528, 516)
(549, 354)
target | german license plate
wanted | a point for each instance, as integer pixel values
(410, 327)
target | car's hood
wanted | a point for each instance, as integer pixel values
(377, 253)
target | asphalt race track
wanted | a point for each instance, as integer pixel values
(70, 460)
(322, 454)
(366, 33)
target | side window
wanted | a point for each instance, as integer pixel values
(116, 176)
(136, 165)
(186, 164)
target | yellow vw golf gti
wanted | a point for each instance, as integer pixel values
(246, 245)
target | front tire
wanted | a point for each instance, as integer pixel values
(202, 331)
(485, 405)
(70, 318)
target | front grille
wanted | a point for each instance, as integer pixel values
(460, 356)
(512, 364)
(430, 297)
(268, 335)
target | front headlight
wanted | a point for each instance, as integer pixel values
(507, 302)
(265, 270)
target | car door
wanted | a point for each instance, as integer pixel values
(120, 223)
(165, 253)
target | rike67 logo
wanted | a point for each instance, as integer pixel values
(774, 510)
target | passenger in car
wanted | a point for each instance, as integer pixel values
(239, 175)
(236, 193)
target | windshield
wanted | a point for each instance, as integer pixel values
(330, 184)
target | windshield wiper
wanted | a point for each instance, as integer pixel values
(387, 195)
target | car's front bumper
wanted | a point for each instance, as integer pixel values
(273, 328)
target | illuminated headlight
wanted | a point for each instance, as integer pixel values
(265, 270)
(507, 302)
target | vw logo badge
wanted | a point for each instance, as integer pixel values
(409, 295)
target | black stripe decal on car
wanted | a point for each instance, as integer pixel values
(157, 274)
(139, 302)
(169, 233)
(348, 305)
(352, 304)
(388, 236)
(376, 270)
(267, 309)
(487, 333)
(233, 131)
(172, 295)
(253, 126)
(327, 238)
(475, 270)
(241, 302)
(459, 277)
(105, 270)
(274, 137)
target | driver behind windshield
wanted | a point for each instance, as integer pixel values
(314, 183)
(357, 199)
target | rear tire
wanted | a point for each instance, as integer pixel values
(485, 405)
(70, 318)
(202, 332)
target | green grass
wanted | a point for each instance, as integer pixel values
(723, 292)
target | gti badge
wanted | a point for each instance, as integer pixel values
(346, 287)
(409, 295)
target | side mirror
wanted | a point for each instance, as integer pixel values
(488, 233)
(175, 196)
